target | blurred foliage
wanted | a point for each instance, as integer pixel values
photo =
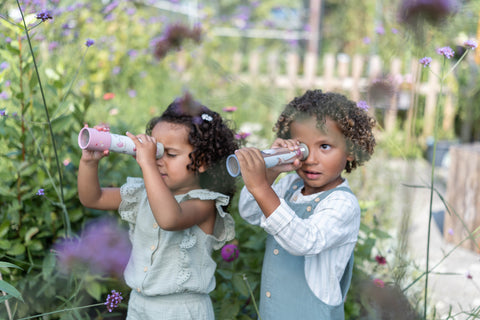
(75, 79)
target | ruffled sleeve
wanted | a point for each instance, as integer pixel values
(224, 224)
(132, 193)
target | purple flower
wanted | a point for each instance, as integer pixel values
(380, 30)
(242, 135)
(40, 192)
(366, 40)
(4, 65)
(44, 15)
(229, 252)
(173, 38)
(3, 112)
(413, 12)
(447, 52)
(112, 249)
(425, 61)
(471, 44)
(89, 42)
(363, 105)
(113, 300)
(4, 95)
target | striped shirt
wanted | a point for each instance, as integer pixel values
(326, 238)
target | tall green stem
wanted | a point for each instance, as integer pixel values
(432, 181)
(62, 199)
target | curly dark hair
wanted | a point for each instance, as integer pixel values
(354, 122)
(212, 140)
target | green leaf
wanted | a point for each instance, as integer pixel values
(4, 264)
(94, 289)
(30, 233)
(16, 249)
(9, 289)
(48, 265)
(225, 274)
(239, 285)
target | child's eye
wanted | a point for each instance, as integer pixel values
(171, 155)
(325, 147)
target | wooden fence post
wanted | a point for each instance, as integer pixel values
(463, 189)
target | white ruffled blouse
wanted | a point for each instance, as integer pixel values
(168, 262)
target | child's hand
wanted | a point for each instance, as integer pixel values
(292, 145)
(252, 166)
(93, 156)
(146, 149)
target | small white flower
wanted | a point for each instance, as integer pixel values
(206, 117)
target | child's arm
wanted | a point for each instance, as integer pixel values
(90, 193)
(169, 214)
(258, 179)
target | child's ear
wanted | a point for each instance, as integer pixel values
(350, 158)
(202, 169)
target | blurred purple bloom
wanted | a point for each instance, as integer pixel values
(426, 61)
(413, 12)
(380, 30)
(89, 42)
(447, 52)
(116, 70)
(366, 40)
(132, 93)
(242, 135)
(229, 252)
(53, 45)
(173, 38)
(44, 15)
(113, 300)
(4, 95)
(470, 44)
(40, 192)
(3, 112)
(4, 65)
(112, 249)
(394, 30)
(362, 104)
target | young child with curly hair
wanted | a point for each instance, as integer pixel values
(312, 217)
(175, 212)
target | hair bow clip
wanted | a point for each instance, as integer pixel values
(206, 117)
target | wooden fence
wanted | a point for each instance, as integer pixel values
(354, 76)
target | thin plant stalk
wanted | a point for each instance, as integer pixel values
(67, 231)
(432, 181)
(251, 294)
(63, 310)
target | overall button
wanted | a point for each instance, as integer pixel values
(309, 208)
(145, 269)
(138, 290)
(155, 225)
(317, 199)
(275, 251)
(152, 247)
(268, 294)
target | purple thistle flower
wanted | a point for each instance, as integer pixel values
(425, 61)
(89, 42)
(44, 15)
(470, 44)
(414, 12)
(113, 300)
(363, 105)
(447, 52)
(230, 252)
(173, 38)
(40, 192)
(112, 249)
(3, 112)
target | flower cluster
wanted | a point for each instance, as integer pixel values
(230, 252)
(112, 249)
(44, 15)
(413, 12)
(447, 52)
(425, 61)
(113, 300)
(173, 39)
(363, 105)
(89, 42)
